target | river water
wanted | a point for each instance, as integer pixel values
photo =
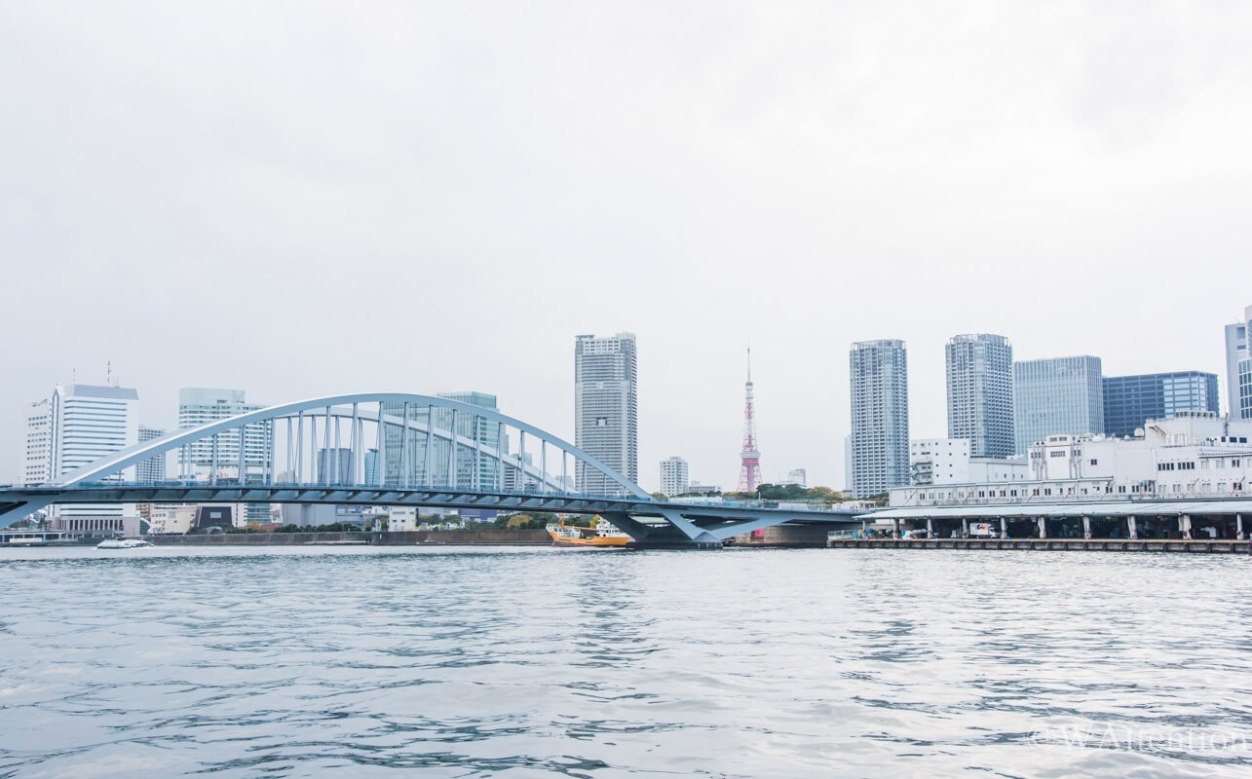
(530, 662)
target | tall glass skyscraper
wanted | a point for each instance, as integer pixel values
(1056, 396)
(880, 416)
(436, 473)
(606, 409)
(980, 393)
(1129, 401)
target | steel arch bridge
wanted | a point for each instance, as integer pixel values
(426, 451)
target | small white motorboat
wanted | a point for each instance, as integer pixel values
(123, 543)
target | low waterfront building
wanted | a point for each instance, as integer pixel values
(172, 520)
(1196, 454)
(96, 526)
(951, 461)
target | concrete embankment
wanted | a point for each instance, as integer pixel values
(416, 537)
(1050, 544)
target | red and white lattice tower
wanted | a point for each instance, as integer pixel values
(750, 458)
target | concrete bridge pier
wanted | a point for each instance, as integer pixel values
(1004, 528)
(1239, 527)
(1132, 532)
(1043, 527)
(1184, 526)
(1086, 526)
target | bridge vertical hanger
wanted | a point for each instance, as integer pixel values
(477, 428)
(213, 462)
(521, 462)
(354, 447)
(406, 458)
(329, 478)
(338, 453)
(498, 476)
(300, 448)
(453, 480)
(428, 460)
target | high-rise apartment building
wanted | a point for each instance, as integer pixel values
(198, 406)
(674, 476)
(980, 393)
(1057, 396)
(606, 409)
(880, 416)
(150, 471)
(1130, 401)
(36, 456)
(1239, 368)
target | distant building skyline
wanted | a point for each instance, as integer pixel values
(878, 374)
(1129, 401)
(979, 371)
(606, 409)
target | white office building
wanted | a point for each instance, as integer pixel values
(606, 409)
(84, 423)
(880, 416)
(675, 479)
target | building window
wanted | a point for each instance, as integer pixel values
(1095, 462)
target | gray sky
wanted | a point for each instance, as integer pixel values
(306, 198)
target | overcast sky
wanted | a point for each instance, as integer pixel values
(300, 199)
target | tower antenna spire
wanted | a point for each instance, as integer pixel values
(749, 457)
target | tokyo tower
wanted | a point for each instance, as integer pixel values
(750, 458)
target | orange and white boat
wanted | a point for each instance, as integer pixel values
(601, 534)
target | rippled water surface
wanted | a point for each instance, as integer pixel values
(524, 662)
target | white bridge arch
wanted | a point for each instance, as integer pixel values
(427, 451)
(354, 409)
